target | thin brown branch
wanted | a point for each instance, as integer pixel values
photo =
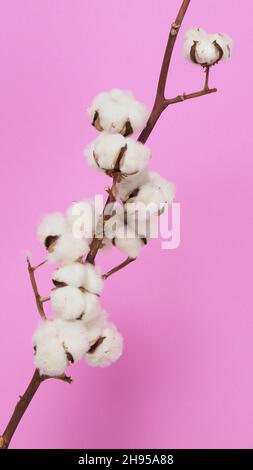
(160, 102)
(119, 267)
(98, 239)
(189, 96)
(23, 404)
(39, 303)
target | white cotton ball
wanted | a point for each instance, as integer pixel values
(135, 157)
(109, 350)
(225, 42)
(127, 241)
(117, 111)
(93, 279)
(206, 53)
(50, 358)
(67, 249)
(72, 274)
(74, 338)
(52, 225)
(68, 302)
(131, 184)
(95, 326)
(208, 48)
(168, 189)
(153, 197)
(82, 218)
(138, 115)
(92, 307)
(45, 330)
(103, 152)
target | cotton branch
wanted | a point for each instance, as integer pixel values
(37, 379)
(23, 404)
(159, 106)
(119, 267)
(38, 298)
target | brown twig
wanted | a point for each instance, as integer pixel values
(38, 299)
(23, 404)
(117, 268)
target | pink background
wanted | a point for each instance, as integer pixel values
(185, 379)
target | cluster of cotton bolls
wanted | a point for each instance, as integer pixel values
(206, 49)
(80, 328)
(143, 193)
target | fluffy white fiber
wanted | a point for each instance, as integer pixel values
(109, 350)
(82, 218)
(51, 225)
(68, 248)
(50, 358)
(154, 195)
(95, 326)
(56, 341)
(116, 108)
(93, 280)
(103, 153)
(73, 336)
(72, 274)
(130, 184)
(123, 237)
(68, 302)
(208, 48)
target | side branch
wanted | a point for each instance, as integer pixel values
(23, 404)
(189, 96)
(119, 267)
(38, 298)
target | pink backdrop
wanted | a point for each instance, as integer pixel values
(185, 379)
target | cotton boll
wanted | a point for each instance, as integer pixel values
(127, 241)
(50, 358)
(168, 189)
(108, 350)
(129, 185)
(153, 196)
(52, 226)
(93, 279)
(46, 330)
(72, 274)
(206, 52)
(117, 111)
(82, 218)
(206, 49)
(104, 151)
(74, 338)
(225, 42)
(92, 307)
(68, 248)
(138, 115)
(135, 158)
(95, 326)
(68, 302)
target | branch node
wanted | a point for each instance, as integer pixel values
(174, 28)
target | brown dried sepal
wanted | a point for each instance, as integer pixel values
(96, 122)
(50, 242)
(95, 345)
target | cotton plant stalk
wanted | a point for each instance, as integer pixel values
(81, 329)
